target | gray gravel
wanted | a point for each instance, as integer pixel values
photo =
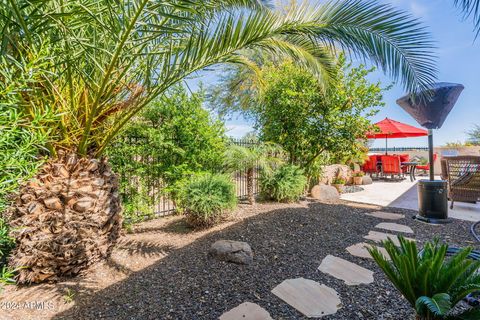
(287, 243)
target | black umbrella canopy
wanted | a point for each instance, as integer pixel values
(431, 113)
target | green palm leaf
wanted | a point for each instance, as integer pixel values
(439, 304)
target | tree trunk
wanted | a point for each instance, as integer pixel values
(250, 195)
(65, 219)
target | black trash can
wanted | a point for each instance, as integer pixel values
(433, 201)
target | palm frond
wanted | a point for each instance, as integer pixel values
(439, 304)
(470, 8)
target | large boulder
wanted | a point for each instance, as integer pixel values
(330, 172)
(232, 251)
(325, 193)
(367, 180)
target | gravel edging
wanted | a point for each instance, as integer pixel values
(288, 241)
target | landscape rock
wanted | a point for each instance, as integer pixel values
(329, 173)
(232, 251)
(367, 180)
(325, 193)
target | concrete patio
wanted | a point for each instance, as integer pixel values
(403, 194)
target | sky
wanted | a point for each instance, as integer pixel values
(458, 62)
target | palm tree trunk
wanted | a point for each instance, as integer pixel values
(65, 219)
(250, 195)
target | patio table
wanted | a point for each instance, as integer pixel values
(411, 167)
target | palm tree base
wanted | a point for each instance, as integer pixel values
(65, 219)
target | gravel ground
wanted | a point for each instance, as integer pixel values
(162, 271)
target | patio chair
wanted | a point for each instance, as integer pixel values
(404, 158)
(463, 176)
(426, 167)
(391, 166)
(371, 165)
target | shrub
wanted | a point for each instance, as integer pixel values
(286, 184)
(432, 284)
(358, 174)
(207, 198)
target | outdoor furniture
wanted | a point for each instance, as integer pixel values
(389, 128)
(410, 167)
(391, 165)
(463, 177)
(426, 167)
(371, 165)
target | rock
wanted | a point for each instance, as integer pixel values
(367, 180)
(325, 193)
(232, 251)
(329, 173)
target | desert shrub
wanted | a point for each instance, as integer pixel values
(286, 184)
(207, 198)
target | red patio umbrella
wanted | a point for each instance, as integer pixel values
(393, 129)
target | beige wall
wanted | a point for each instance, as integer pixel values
(461, 151)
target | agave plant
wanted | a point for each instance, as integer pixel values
(259, 157)
(102, 61)
(431, 282)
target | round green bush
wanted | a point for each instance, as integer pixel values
(286, 184)
(207, 198)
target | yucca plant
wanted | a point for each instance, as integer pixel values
(104, 60)
(263, 157)
(431, 282)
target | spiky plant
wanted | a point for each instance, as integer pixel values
(104, 60)
(262, 156)
(431, 282)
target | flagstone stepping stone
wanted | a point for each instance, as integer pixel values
(312, 299)
(351, 273)
(386, 215)
(394, 227)
(246, 311)
(360, 250)
(380, 236)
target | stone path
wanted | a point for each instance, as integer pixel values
(315, 300)
(394, 227)
(351, 273)
(386, 215)
(312, 299)
(247, 311)
(360, 250)
(380, 236)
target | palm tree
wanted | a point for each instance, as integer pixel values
(470, 8)
(248, 159)
(102, 61)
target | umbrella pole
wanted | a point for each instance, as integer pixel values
(386, 145)
(430, 154)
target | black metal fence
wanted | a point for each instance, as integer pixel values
(150, 196)
(398, 149)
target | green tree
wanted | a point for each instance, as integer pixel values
(171, 138)
(292, 110)
(474, 135)
(261, 157)
(106, 60)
